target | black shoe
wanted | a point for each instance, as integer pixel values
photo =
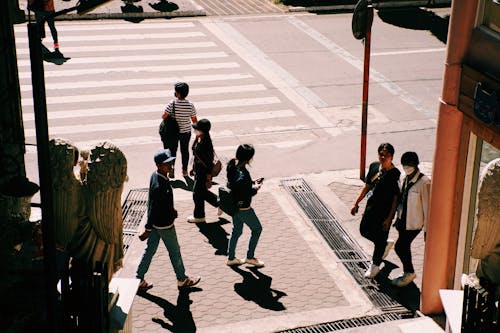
(57, 54)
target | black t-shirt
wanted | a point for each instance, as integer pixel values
(383, 188)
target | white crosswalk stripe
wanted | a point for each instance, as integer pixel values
(121, 76)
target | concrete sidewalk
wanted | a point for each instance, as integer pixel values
(302, 284)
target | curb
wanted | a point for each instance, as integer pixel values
(378, 5)
(114, 16)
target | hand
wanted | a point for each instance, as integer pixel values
(145, 235)
(386, 225)
(354, 209)
(175, 213)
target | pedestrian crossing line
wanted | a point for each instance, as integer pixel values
(81, 84)
(102, 26)
(138, 58)
(136, 124)
(135, 69)
(120, 37)
(52, 100)
(121, 47)
(153, 108)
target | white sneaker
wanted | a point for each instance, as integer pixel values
(235, 262)
(404, 279)
(255, 262)
(388, 247)
(372, 271)
(192, 219)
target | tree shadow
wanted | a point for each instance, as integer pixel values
(216, 235)
(256, 287)
(188, 185)
(417, 19)
(164, 6)
(53, 57)
(408, 296)
(180, 316)
(130, 8)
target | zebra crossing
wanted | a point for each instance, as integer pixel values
(121, 75)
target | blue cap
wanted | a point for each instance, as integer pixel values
(164, 156)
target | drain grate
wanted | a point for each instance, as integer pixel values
(133, 209)
(344, 247)
(348, 323)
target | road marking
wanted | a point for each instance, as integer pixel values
(390, 86)
(107, 48)
(81, 84)
(139, 58)
(144, 94)
(121, 37)
(136, 124)
(441, 49)
(102, 26)
(152, 108)
(301, 96)
(135, 69)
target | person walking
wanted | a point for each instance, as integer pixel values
(382, 191)
(203, 152)
(243, 189)
(44, 12)
(184, 113)
(160, 224)
(412, 214)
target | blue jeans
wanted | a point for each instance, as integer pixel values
(249, 218)
(169, 237)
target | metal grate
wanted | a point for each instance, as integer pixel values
(133, 209)
(344, 247)
(348, 323)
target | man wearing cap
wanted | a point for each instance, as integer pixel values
(160, 224)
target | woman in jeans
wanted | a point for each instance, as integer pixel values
(243, 188)
(203, 152)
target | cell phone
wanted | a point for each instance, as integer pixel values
(260, 180)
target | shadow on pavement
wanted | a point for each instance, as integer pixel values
(417, 19)
(130, 8)
(53, 57)
(216, 235)
(180, 316)
(256, 287)
(408, 296)
(164, 6)
(188, 185)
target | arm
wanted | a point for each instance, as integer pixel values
(167, 110)
(360, 197)
(425, 196)
(194, 120)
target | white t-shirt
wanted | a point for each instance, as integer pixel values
(184, 110)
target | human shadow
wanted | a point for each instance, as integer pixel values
(216, 235)
(408, 296)
(187, 185)
(417, 19)
(180, 316)
(53, 57)
(256, 287)
(164, 6)
(130, 8)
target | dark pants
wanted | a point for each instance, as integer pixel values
(202, 194)
(184, 139)
(403, 248)
(373, 231)
(42, 15)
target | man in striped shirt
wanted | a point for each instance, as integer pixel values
(185, 113)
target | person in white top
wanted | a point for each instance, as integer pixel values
(412, 214)
(185, 113)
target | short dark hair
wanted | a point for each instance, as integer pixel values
(182, 88)
(387, 146)
(245, 152)
(410, 158)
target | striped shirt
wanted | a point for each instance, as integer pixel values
(184, 110)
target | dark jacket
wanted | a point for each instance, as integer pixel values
(203, 153)
(241, 185)
(161, 212)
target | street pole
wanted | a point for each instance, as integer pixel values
(366, 82)
(42, 139)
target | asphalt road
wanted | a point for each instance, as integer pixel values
(289, 84)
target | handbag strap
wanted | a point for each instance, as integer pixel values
(173, 108)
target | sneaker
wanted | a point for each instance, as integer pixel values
(192, 219)
(372, 271)
(143, 285)
(235, 262)
(404, 279)
(388, 247)
(188, 282)
(255, 262)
